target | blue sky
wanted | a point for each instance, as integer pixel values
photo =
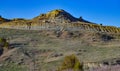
(98, 11)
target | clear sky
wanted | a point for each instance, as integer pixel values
(106, 12)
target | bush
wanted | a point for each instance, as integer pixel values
(4, 43)
(71, 62)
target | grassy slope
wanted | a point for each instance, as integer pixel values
(49, 47)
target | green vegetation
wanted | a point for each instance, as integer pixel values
(71, 62)
(12, 67)
(4, 43)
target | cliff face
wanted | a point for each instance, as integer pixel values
(57, 20)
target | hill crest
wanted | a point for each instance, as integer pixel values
(57, 14)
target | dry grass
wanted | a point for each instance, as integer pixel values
(46, 48)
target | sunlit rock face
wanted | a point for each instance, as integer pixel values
(57, 14)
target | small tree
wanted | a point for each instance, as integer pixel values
(71, 62)
(101, 24)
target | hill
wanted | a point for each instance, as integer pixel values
(57, 14)
(40, 44)
(58, 20)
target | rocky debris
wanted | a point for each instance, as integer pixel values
(112, 62)
(56, 54)
(106, 37)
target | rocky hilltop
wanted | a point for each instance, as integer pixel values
(57, 20)
(59, 14)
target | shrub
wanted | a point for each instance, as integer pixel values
(71, 62)
(4, 43)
